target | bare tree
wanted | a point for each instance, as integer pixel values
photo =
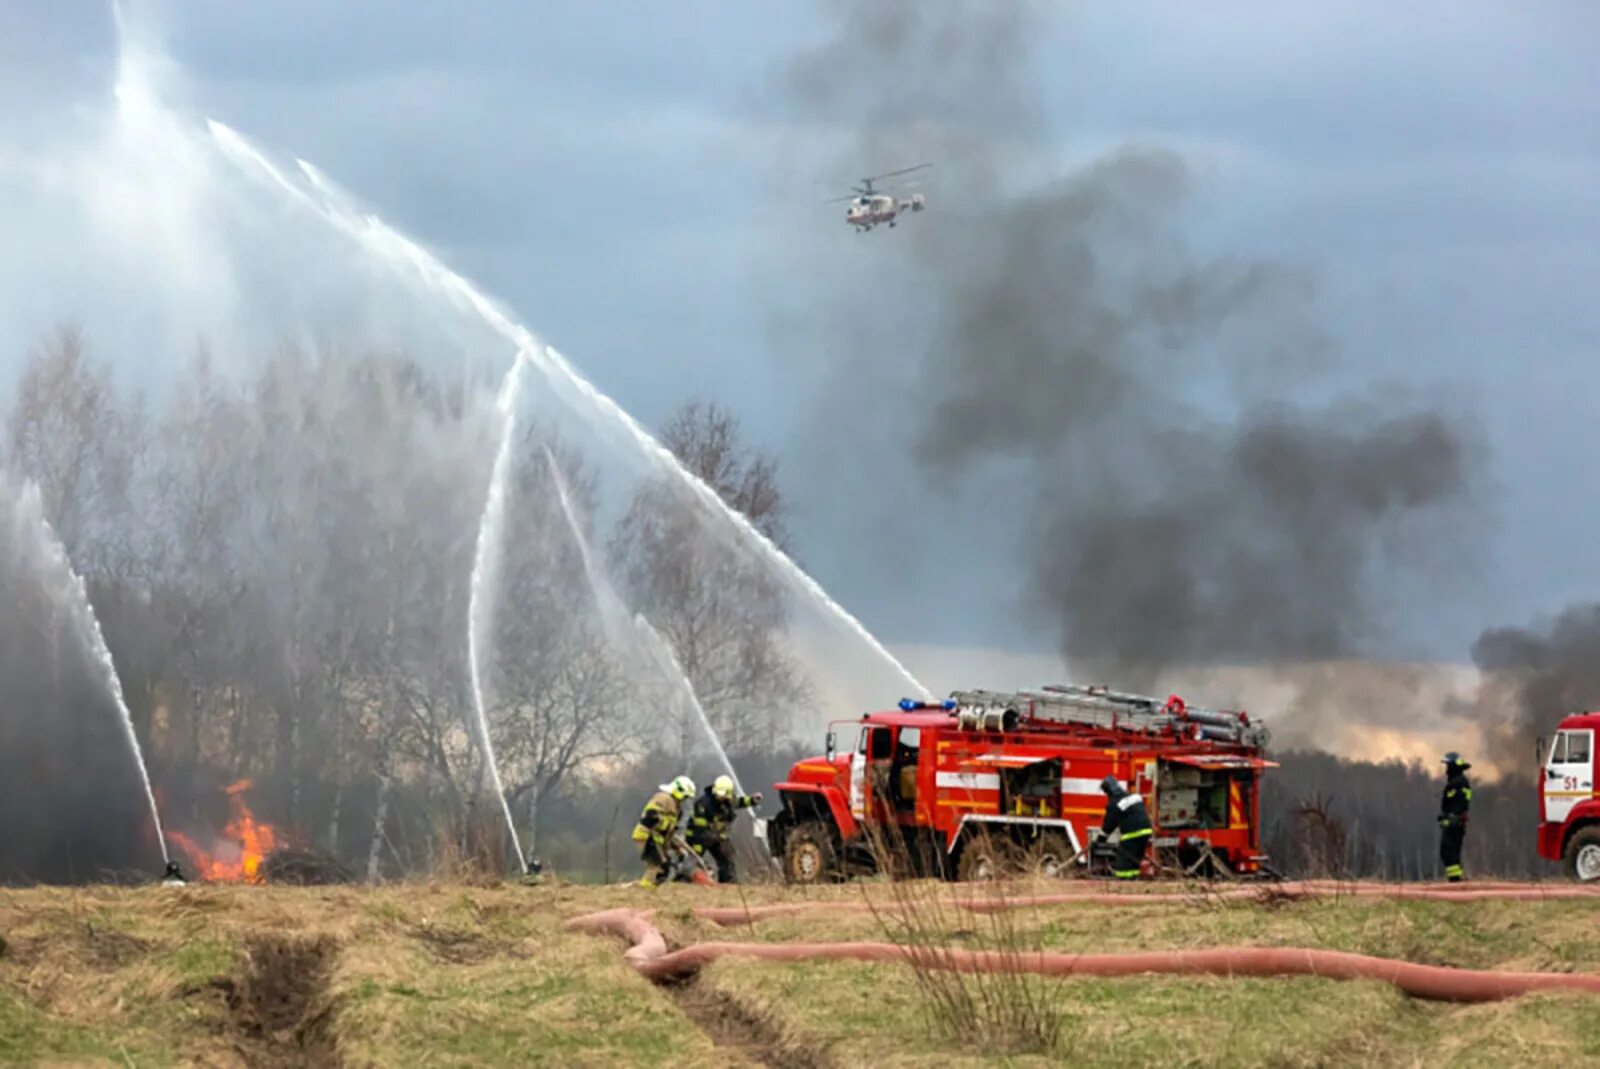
(67, 432)
(718, 606)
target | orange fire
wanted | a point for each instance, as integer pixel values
(237, 857)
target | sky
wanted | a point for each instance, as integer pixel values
(625, 177)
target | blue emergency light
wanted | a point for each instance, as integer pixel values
(911, 705)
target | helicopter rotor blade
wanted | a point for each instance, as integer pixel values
(903, 170)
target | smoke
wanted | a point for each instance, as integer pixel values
(1171, 432)
(1530, 678)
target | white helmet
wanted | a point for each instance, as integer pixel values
(682, 787)
(722, 787)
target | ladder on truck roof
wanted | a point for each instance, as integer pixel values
(1114, 710)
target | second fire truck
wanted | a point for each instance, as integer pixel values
(1569, 798)
(990, 782)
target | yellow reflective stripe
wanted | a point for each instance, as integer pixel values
(1467, 793)
(1452, 870)
(1141, 833)
(1125, 874)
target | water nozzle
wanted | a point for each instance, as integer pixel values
(173, 874)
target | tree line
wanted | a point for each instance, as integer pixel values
(282, 565)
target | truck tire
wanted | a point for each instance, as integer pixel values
(985, 857)
(1582, 858)
(1050, 857)
(809, 855)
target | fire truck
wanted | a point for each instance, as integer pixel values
(990, 783)
(1569, 799)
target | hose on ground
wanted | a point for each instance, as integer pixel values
(648, 954)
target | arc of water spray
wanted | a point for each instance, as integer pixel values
(372, 232)
(485, 581)
(613, 613)
(30, 509)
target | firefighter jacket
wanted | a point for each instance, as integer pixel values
(659, 819)
(1457, 799)
(1126, 813)
(711, 817)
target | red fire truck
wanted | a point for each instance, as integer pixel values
(988, 782)
(1569, 799)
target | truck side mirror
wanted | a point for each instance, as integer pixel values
(833, 745)
(1541, 747)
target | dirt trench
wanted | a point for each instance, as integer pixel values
(751, 1033)
(279, 1012)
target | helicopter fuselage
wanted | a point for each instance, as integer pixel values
(867, 212)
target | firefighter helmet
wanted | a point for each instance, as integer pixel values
(722, 787)
(1110, 785)
(680, 788)
(1453, 760)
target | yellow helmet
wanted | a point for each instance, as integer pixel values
(722, 787)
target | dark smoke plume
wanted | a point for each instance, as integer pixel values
(1188, 485)
(1532, 677)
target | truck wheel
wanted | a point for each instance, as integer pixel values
(985, 858)
(1050, 857)
(1583, 855)
(808, 854)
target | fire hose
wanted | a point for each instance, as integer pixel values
(648, 954)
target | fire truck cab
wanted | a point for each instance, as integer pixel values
(1009, 782)
(1569, 799)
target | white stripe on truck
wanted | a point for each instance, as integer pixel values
(967, 781)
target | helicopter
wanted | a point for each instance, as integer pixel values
(870, 206)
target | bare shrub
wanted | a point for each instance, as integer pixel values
(1002, 1010)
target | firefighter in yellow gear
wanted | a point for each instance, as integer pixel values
(658, 825)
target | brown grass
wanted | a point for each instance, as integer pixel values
(454, 975)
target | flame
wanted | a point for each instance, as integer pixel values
(237, 857)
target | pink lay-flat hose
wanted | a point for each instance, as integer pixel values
(648, 953)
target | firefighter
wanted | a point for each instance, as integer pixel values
(658, 826)
(714, 812)
(1125, 813)
(1453, 809)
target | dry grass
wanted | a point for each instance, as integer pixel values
(447, 974)
(466, 975)
(1008, 1011)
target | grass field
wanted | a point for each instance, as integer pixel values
(456, 974)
